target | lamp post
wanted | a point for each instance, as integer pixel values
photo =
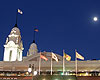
(31, 69)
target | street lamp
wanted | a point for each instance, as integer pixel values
(31, 69)
(35, 72)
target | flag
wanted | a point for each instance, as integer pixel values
(79, 56)
(68, 58)
(43, 57)
(19, 11)
(36, 30)
(54, 57)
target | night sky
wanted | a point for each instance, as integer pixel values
(62, 24)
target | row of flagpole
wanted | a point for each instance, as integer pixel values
(68, 58)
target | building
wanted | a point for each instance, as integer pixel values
(15, 66)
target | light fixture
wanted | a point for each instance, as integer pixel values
(35, 73)
(29, 68)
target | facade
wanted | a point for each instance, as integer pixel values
(85, 68)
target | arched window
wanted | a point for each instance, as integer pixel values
(10, 55)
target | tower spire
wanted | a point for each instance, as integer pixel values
(15, 25)
(33, 41)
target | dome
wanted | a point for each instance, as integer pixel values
(33, 46)
(33, 49)
(15, 31)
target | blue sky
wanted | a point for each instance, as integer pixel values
(62, 24)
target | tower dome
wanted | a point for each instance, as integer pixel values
(15, 31)
(33, 49)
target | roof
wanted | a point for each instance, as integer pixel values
(15, 31)
(35, 57)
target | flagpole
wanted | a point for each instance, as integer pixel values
(51, 64)
(76, 62)
(39, 63)
(16, 16)
(63, 63)
(34, 34)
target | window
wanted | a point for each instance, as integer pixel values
(10, 55)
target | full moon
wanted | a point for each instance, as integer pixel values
(95, 19)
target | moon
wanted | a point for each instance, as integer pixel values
(95, 19)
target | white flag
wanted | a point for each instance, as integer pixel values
(19, 11)
(54, 57)
(79, 56)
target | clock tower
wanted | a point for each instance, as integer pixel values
(13, 47)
